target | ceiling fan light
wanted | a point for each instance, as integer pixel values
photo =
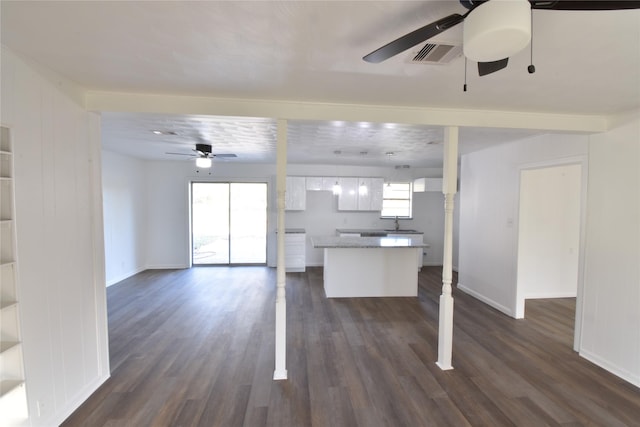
(497, 29)
(203, 162)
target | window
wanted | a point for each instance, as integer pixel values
(396, 200)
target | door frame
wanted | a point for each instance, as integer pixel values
(519, 297)
(225, 180)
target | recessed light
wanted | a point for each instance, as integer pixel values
(390, 154)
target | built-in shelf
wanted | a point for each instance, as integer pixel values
(7, 304)
(7, 386)
(8, 345)
(13, 400)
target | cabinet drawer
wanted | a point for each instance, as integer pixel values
(295, 245)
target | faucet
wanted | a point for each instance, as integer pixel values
(397, 224)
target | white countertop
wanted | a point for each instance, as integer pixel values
(366, 231)
(365, 242)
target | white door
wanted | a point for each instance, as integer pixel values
(229, 223)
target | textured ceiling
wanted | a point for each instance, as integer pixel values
(587, 63)
(253, 140)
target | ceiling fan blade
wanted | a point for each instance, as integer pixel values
(413, 38)
(585, 4)
(228, 156)
(485, 68)
(181, 154)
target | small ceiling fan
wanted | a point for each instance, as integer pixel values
(203, 155)
(493, 29)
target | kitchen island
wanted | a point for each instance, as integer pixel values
(370, 266)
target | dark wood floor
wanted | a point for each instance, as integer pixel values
(196, 348)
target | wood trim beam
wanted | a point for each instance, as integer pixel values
(292, 110)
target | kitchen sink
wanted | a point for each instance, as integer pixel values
(373, 234)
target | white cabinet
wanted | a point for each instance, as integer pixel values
(360, 194)
(373, 199)
(356, 194)
(348, 197)
(295, 249)
(13, 399)
(364, 194)
(321, 183)
(296, 194)
(314, 183)
(328, 182)
(415, 238)
(427, 184)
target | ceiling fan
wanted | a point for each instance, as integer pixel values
(493, 29)
(203, 155)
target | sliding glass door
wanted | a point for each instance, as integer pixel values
(229, 223)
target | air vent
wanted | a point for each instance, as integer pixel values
(442, 53)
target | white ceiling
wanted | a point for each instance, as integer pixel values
(588, 63)
(253, 140)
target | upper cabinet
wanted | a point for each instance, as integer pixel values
(328, 182)
(296, 194)
(314, 183)
(348, 197)
(375, 194)
(360, 194)
(421, 185)
(356, 193)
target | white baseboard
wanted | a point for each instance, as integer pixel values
(315, 264)
(121, 277)
(431, 264)
(167, 267)
(616, 370)
(488, 301)
(67, 409)
(546, 295)
(437, 264)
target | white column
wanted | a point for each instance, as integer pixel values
(280, 372)
(449, 188)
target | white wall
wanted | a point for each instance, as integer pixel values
(611, 296)
(489, 189)
(549, 231)
(59, 239)
(167, 221)
(168, 218)
(125, 215)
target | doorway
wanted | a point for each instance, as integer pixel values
(228, 223)
(550, 235)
